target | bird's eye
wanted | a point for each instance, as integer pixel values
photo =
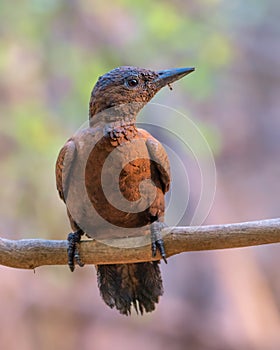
(131, 82)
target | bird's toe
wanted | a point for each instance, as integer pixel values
(73, 249)
(157, 241)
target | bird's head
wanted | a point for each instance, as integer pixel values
(125, 90)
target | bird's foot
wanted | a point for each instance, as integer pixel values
(73, 249)
(157, 241)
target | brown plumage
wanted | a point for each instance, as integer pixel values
(113, 177)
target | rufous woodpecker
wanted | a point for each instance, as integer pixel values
(112, 177)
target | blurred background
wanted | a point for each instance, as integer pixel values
(51, 53)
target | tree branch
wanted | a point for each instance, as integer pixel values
(31, 253)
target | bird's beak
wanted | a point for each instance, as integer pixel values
(168, 76)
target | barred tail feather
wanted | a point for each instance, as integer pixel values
(124, 285)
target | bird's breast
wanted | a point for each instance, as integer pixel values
(117, 172)
(118, 182)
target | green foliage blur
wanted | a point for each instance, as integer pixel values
(51, 54)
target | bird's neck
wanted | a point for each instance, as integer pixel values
(118, 115)
(119, 131)
(112, 123)
(117, 123)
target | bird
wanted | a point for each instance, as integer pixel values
(113, 177)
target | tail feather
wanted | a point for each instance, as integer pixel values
(124, 285)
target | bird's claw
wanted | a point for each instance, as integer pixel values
(157, 241)
(159, 244)
(73, 249)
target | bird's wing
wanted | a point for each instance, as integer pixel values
(63, 168)
(159, 156)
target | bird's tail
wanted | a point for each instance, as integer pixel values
(124, 285)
